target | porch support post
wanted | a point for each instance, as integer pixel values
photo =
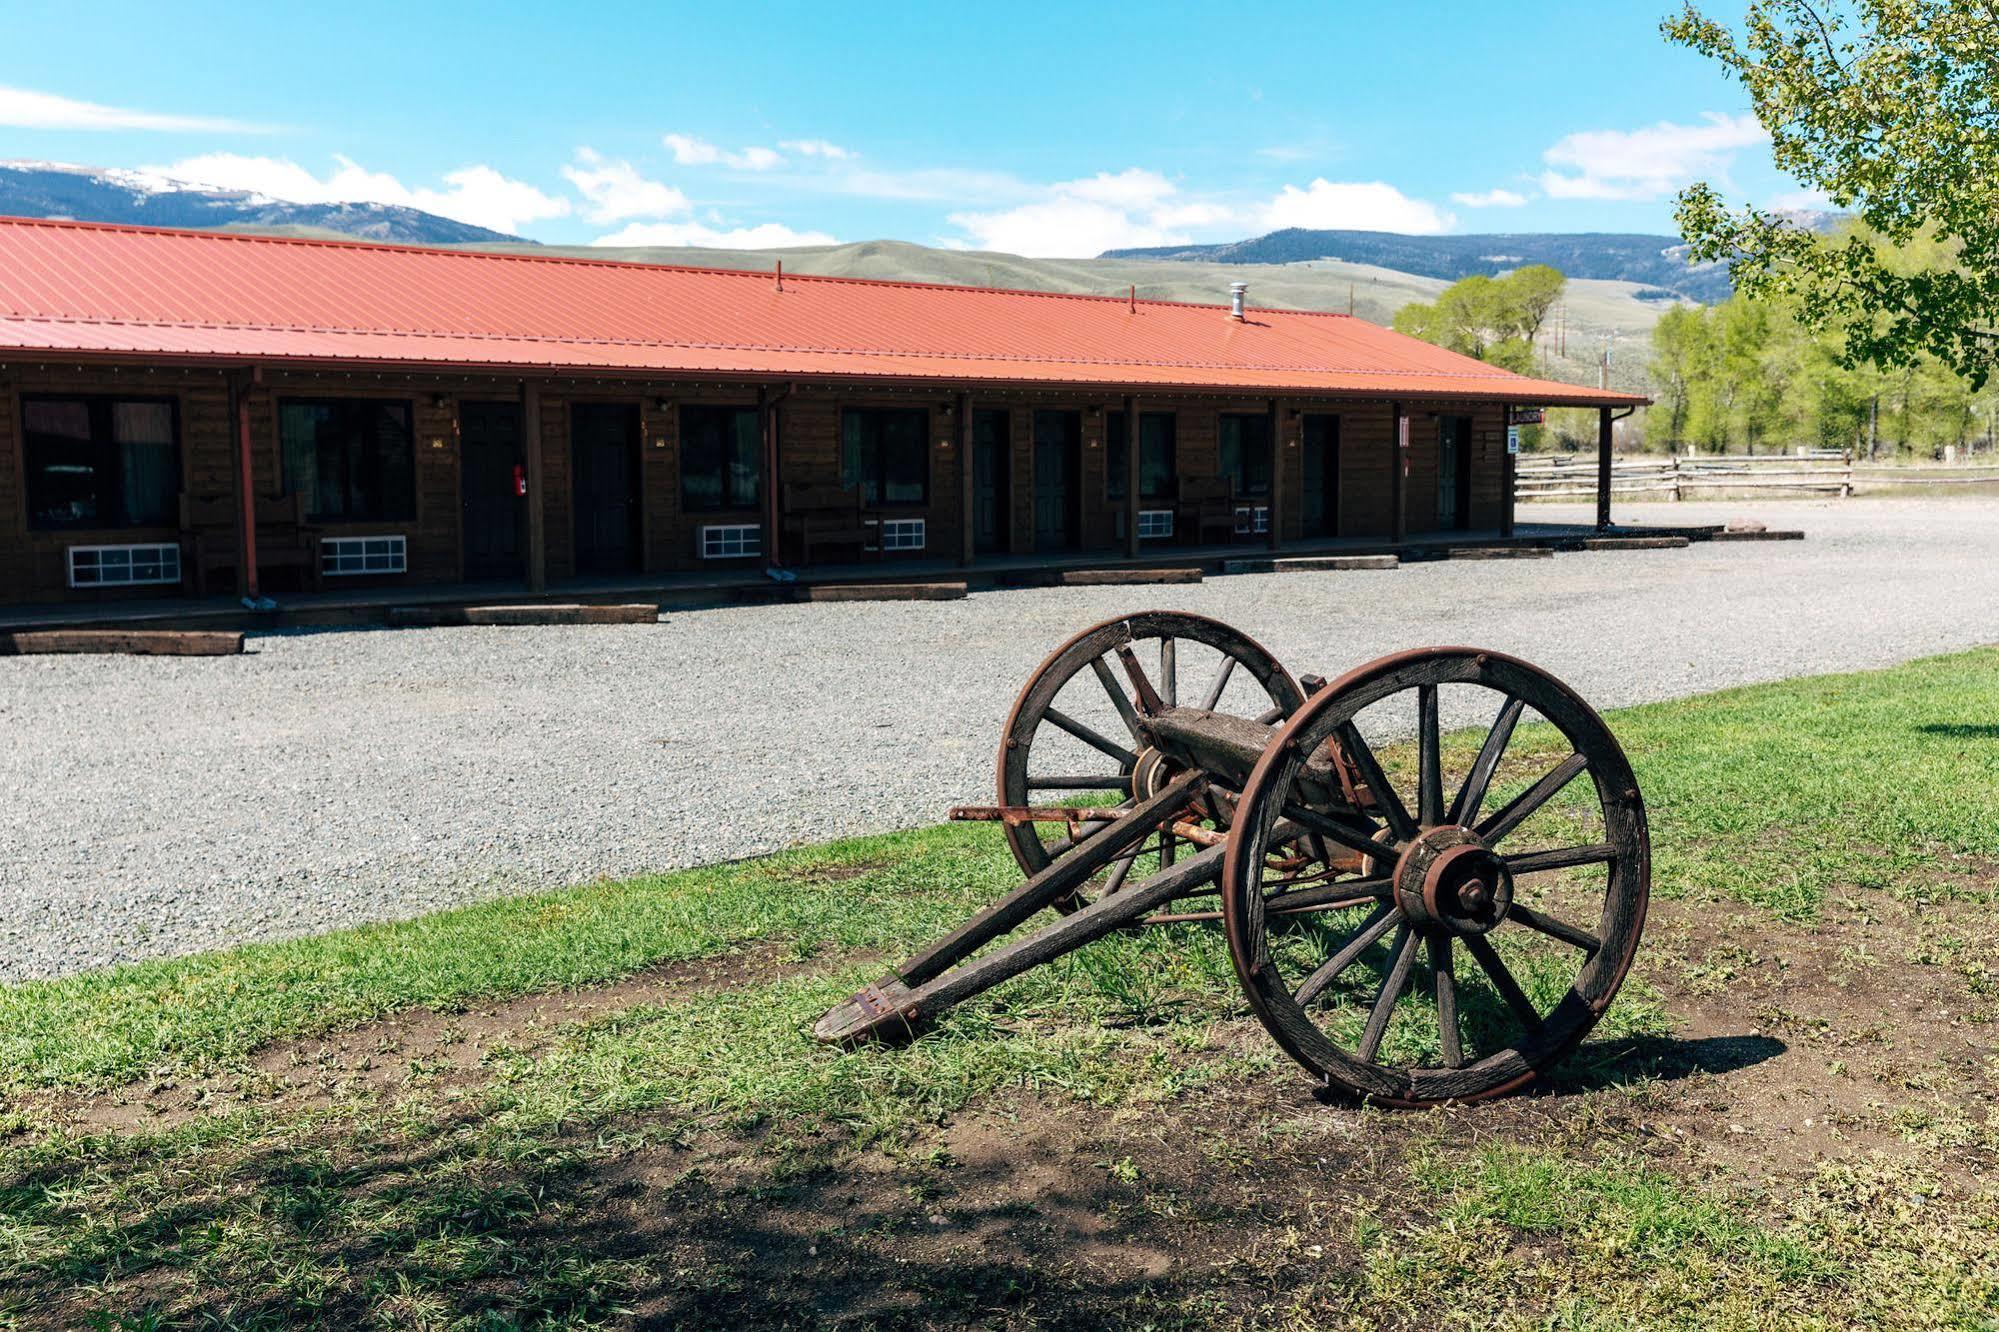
(246, 486)
(1603, 436)
(967, 543)
(536, 496)
(1398, 478)
(767, 431)
(1276, 477)
(1132, 434)
(1507, 478)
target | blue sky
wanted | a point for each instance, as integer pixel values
(1040, 128)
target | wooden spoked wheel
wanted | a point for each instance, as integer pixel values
(1502, 895)
(1073, 734)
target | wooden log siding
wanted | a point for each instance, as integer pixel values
(33, 565)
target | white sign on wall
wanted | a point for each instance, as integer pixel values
(1513, 439)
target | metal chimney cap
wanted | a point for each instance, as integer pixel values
(1237, 292)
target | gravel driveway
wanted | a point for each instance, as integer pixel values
(158, 806)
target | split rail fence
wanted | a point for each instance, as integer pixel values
(1820, 472)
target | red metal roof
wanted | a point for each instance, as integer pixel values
(86, 289)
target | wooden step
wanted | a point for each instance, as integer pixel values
(1124, 577)
(435, 616)
(133, 642)
(885, 592)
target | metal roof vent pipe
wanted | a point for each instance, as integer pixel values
(1238, 291)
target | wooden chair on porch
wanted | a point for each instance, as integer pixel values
(818, 516)
(1205, 510)
(207, 538)
(285, 540)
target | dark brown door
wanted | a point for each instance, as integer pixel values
(991, 462)
(1453, 473)
(491, 466)
(1058, 466)
(1322, 476)
(604, 448)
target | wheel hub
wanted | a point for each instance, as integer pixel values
(1151, 773)
(1447, 878)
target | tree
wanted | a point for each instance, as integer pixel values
(1889, 108)
(1495, 319)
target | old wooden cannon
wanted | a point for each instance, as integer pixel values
(1405, 933)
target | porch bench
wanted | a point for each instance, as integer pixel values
(816, 516)
(1204, 507)
(207, 537)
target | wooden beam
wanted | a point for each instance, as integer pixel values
(1508, 480)
(135, 642)
(767, 431)
(1398, 478)
(246, 489)
(1132, 472)
(537, 486)
(1603, 437)
(1276, 477)
(967, 543)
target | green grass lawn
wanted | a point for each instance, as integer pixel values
(639, 1161)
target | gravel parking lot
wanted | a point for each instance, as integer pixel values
(158, 806)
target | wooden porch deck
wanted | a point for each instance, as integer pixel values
(690, 590)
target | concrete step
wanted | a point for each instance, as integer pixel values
(1124, 577)
(1308, 563)
(1757, 536)
(885, 592)
(1328, 563)
(1634, 543)
(434, 616)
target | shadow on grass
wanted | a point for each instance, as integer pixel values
(1961, 730)
(432, 1229)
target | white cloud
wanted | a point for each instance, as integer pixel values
(1129, 189)
(21, 108)
(475, 194)
(616, 191)
(766, 236)
(1648, 163)
(690, 151)
(832, 152)
(1136, 207)
(1327, 205)
(1078, 218)
(955, 185)
(1063, 226)
(1497, 198)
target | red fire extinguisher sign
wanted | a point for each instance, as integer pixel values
(520, 480)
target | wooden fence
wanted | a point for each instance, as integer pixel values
(1817, 472)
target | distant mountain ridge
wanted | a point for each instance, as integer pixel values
(1650, 261)
(93, 194)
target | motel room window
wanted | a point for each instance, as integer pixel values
(349, 460)
(886, 452)
(1246, 454)
(720, 459)
(101, 462)
(1155, 455)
